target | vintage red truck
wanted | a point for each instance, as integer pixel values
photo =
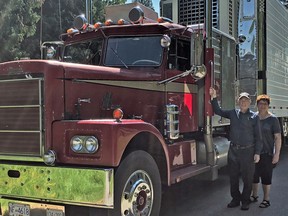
(124, 112)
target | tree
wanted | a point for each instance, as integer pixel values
(58, 16)
(18, 21)
(22, 29)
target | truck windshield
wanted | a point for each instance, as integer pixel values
(85, 52)
(134, 51)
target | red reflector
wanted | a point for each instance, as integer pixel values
(85, 26)
(117, 114)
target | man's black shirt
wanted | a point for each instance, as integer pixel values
(244, 127)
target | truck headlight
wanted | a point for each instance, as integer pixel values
(76, 144)
(91, 144)
(84, 144)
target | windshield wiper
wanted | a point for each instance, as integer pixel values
(115, 53)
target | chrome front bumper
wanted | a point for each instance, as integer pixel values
(75, 186)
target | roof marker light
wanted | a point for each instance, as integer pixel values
(164, 19)
(122, 22)
(109, 22)
(72, 31)
(98, 25)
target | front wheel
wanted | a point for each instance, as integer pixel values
(137, 186)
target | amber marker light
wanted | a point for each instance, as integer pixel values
(108, 22)
(122, 22)
(72, 31)
(164, 19)
(98, 25)
(160, 20)
(118, 114)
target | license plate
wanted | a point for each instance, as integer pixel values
(16, 209)
(54, 212)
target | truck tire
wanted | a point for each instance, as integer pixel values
(137, 186)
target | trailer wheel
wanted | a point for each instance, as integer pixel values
(137, 186)
(285, 131)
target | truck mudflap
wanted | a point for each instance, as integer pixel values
(74, 186)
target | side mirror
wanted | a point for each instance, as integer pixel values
(51, 50)
(165, 41)
(198, 71)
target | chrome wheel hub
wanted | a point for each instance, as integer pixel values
(137, 196)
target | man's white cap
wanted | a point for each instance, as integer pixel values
(244, 94)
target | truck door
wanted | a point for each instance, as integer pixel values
(182, 92)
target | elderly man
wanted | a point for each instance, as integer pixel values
(245, 147)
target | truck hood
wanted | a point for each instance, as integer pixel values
(78, 71)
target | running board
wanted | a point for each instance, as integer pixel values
(188, 172)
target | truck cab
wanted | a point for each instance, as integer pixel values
(124, 110)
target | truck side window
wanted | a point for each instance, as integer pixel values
(179, 55)
(87, 52)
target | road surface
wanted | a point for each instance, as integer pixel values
(198, 198)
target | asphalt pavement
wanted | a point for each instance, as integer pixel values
(206, 198)
(210, 198)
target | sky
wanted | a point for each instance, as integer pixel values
(155, 5)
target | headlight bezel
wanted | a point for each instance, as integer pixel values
(73, 144)
(93, 142)
(87, 144)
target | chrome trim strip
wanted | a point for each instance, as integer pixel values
(22, 106)
(19, 131)
(17, 80)
(148, 85)
(30, 158)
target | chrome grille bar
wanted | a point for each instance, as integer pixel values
(21, 125)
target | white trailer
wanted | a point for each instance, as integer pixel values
(263, 65)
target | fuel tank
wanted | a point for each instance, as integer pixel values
(221, 146)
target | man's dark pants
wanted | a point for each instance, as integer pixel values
(241, 163)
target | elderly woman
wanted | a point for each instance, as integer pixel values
(269, 157)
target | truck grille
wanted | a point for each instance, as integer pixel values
(20, 117)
